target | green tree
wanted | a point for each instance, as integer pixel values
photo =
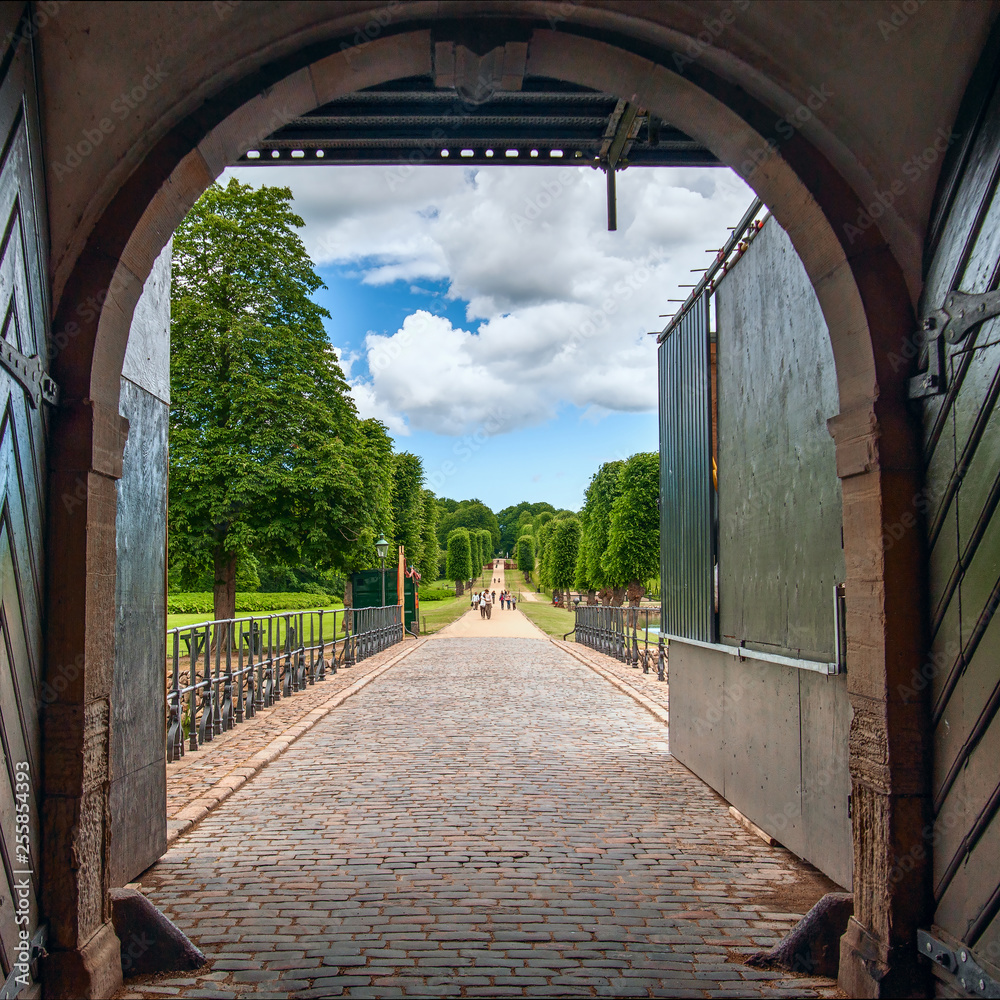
(428, 537)
(564, 543)
(470, 514)
(526, 555)
(486, 545)
(408, 504)
(512, 518)
(459, 558)
(633, 552)
(582, 577)
(599, 499)
(266, 455)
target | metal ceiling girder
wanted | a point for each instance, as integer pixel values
(619, 133)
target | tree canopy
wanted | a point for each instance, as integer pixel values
(511, 519)
(564, 542)
(633, 552)
(469, 514)
(264, 435)
(526, 554)
(270, 467)
(459, 557)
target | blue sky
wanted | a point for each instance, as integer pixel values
(492, 322)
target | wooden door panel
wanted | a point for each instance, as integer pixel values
(962, 463)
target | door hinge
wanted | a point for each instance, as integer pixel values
(30, 373)
(960, 963)
(952, 323)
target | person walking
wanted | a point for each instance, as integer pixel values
(487, 604)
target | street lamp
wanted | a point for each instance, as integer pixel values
(382, 548)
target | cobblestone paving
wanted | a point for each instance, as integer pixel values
(203, 776)
(487, 818)
(646, 684)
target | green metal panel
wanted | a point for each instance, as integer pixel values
(366, 587)
(687, 542)
(780, 510)
(962, 455)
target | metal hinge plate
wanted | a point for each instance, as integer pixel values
(952, 323)
(960, 963)
(30, 373)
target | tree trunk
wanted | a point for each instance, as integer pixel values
(348, 603)
(617, 596)
(591, 597)
(224, 588)
(635, 591)
(223, 593)
(459, 588)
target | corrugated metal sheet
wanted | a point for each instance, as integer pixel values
(687, 537)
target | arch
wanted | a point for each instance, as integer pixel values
(861, 287)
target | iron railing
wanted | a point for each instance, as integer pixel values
(618, 632)
(224, 672)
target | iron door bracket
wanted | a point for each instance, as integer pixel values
(960, 963)
(30, 374)
(952, 323)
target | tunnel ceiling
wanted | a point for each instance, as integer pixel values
(545, 123)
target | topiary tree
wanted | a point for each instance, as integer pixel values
(582, 577)
(486, 547)
(633, 552)
(563, 545)
(599, 499)
(428, 538)
(475, 553)
(459, 558)
(526, 555)
(408, 505)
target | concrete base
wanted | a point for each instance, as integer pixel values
(150, 942)
(868, 969)
(813, 944)
(93, 971)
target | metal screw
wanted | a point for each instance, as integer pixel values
(964, 956)
(982, 986)
(928, 946)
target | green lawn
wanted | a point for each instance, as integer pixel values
(554, 621)
(437, 614)
(178, 621)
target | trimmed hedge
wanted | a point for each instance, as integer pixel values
(202, 604)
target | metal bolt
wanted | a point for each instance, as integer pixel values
(964, 956)
(928, 946)
(982, 986)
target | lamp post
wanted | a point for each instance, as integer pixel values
(382, 548)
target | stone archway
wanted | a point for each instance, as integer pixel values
(862, 289)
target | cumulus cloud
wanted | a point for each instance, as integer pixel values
(557, 307)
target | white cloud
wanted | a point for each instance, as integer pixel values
(557, 306)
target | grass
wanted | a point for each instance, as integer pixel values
(553, 621)
(178, 621)
(437, 614)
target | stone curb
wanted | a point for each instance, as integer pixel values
(199, 808)
(635, 695)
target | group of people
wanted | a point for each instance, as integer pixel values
(485, 599)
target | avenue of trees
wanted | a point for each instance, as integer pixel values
(610, 549)
(273, 477)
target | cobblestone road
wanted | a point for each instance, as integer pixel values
(488, 818)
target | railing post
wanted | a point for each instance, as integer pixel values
(175, 735)
(238, 715)
(660, 675)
